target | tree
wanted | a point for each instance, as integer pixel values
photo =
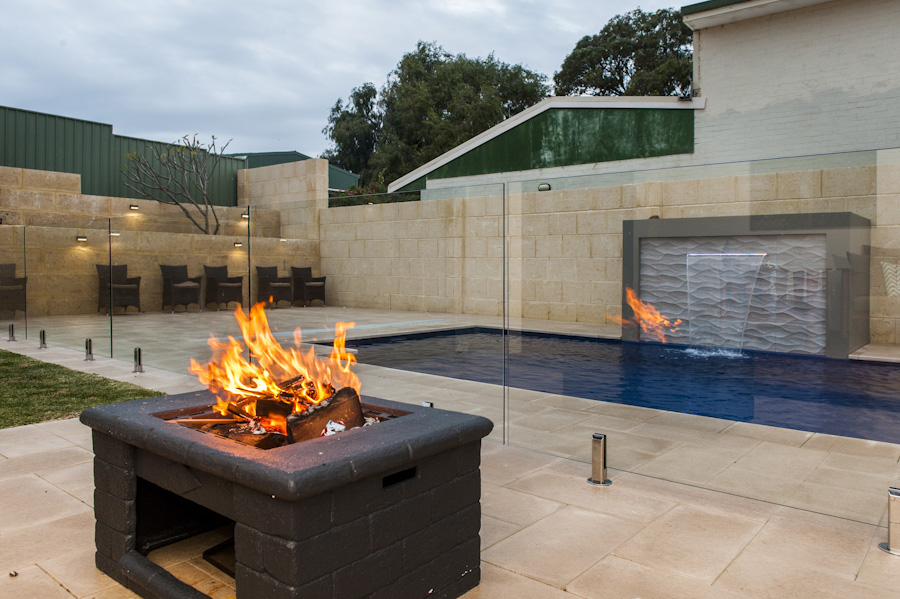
(354, 130)
(431, 102)
(635, 54)
(178, 174)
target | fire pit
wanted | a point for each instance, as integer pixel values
(388, 510)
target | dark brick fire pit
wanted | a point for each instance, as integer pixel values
(390, 510)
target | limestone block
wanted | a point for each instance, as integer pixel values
(590, 269)
(408, 211)
(11, 176)
(605, 246)
(679, 193)
(852, 181)
(563, 224)
(865, 206)
(548, 291)
(576, 292)
(887, 178)
(27, 200)
(548, 246)
(588, 312)
(592, 223)
(629, 196)
(537, 310)
(606, 198)
(474, 207)
(648, 194)
(563, 312)
(883, 330)
(714, 191)
(799, 184)
(774, 207)
(754, 188)
(176, 244)
(34, 179)
(606, 292)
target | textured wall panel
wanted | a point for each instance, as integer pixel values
(774, 302)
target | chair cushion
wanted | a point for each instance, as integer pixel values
(187, 285)
(316, 284)
(286, 285)
(11, 287)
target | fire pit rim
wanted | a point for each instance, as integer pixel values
(292, 472)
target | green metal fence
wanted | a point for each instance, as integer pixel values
(47, 142)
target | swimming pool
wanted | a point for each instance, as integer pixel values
(839, 397)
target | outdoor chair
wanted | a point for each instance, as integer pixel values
(221, 289)
(270, 288)
(12, 289)
(179, 289)
(307, 287)
(114, 281)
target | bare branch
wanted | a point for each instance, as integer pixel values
(178, 174)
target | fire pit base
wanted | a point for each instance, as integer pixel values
(391, 510)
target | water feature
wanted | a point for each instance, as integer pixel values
(719, 292)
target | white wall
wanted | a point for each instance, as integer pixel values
(820, 79)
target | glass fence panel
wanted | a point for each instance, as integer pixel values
(420, 277)
(13, 283)
(64, 296)
(726, 326)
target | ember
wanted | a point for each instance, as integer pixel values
(646, 317)
(287, 396)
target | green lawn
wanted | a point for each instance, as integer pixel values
(33, 391)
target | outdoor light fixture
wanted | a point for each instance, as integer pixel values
(544, 187)
(245, 215)
(134, 207)
(81, 238)
(114, 234)
(238, 244)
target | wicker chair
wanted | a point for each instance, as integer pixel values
(12, 289)
(114, 281)
(270, 288)
(179, 289)
(307, 287)
(221, 289)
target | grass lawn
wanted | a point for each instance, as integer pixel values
(33, 391)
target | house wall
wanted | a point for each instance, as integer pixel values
(825, 78)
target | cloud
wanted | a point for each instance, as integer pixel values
(265, 74)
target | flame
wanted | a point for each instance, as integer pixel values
(647, 317)
(294, 376)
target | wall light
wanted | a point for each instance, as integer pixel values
(114, 234)
(245, 215)
(238, 244)
(81, 238)
(134, 207)
(544, 187)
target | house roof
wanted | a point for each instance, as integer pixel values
(556, 102)
(721, 12)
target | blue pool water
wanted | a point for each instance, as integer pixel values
(840, 397)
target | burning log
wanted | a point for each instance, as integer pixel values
(343, 407)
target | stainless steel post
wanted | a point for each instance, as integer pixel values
(88, 350)
(598, 460)
(138, 362)
(43, 340)
(12, 332)
(893, 543)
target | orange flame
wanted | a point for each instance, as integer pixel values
(647, 317)
(290, 375)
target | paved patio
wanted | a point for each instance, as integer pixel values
(741, 512)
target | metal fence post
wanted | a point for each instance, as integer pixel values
(893, 543)
(88, 350)
(43, 340)
(138, 362)
(598, 460)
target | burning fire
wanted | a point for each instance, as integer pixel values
(293, 376)
(647, 317)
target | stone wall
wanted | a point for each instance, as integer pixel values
(62, 276)
(565, 246)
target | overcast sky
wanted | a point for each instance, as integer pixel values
(263, 74)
